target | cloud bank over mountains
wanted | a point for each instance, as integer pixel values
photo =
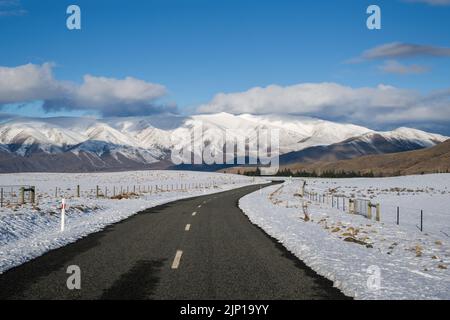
(382, 104)
(107, 96)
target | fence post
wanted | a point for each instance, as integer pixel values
(1, 198)
(369, 210)
(421, 220)
(32, 194)
(398, 215)
(97, 192)
(378, 216)
(22, 195)
(56, 192)
(63, 213)
(78, 190)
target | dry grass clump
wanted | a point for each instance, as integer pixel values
(129, 195)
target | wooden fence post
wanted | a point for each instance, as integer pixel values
(378, 216)
(97, 192)
(22, 195)
(78, 190)
(369, 211)
(32, 194)
(421, 220)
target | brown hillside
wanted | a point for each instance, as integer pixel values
(435, 159)
(430, 160)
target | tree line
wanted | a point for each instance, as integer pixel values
(313, 174)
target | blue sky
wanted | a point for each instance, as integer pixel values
(198, 49)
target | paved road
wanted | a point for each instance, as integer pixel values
(155, 255)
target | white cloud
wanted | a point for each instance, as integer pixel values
(382, 104)
(11, 8)
(432, 2)
(101, 91)
(399, 50)
(393, 66)
(109, 96)
(28, 82)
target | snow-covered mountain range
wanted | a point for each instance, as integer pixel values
(102, 144)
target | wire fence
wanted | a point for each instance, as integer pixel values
(390, 212)
(16, 195)
(363, 207)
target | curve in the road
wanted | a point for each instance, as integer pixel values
(198, 248)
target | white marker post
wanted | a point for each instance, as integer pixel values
(63, 213)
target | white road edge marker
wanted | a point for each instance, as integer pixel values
(194, 213)
(188, 227)
(176, 260)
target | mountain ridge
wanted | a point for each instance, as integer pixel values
(146, 142)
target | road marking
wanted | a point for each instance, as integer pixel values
(188, 227)
(194, 213)
(176, 260)
(199, 206)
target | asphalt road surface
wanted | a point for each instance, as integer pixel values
(199, 248)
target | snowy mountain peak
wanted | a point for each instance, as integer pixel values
(149, 139)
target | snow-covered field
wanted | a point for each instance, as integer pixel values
(28, 231)
(411, 194)
(355, 252)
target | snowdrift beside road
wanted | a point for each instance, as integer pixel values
(351, 250)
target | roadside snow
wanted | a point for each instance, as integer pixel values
(349, 249)
(430, 193)
(29, 231)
